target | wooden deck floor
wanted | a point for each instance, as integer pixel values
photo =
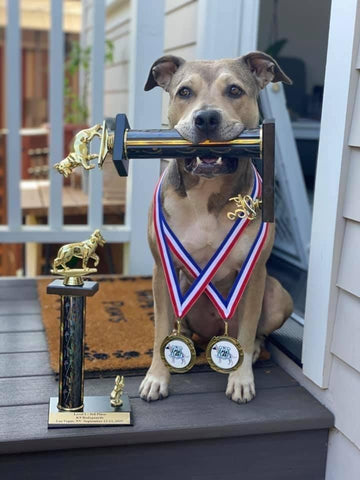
(283, 424)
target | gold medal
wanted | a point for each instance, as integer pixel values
(224, 354)
(178, 352)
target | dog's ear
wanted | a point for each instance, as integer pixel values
(265, 69)
(161, 72)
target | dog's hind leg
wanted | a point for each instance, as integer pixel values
(155, 384)
(276, 308)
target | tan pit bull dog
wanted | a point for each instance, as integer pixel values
(213, 100)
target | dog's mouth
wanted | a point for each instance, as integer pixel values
(211, 166)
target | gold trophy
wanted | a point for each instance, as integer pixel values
(81, 155)
(116, 394)
(71, 408)
(119, 141)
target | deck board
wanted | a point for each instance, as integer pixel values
(20, 323)
(179, 417)
(24, 364)
(38, 389)
(15, 342)
(11, 293)
(16, 307)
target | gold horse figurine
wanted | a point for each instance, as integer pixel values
(81, 154)
(83, 250)
(115, 395)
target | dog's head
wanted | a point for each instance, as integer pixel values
(214, 100)
(98, 238)
(63, 167)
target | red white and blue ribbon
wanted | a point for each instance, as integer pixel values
(168, 242)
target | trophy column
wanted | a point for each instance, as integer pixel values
(72, 335)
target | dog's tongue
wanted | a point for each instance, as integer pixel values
(209, 160)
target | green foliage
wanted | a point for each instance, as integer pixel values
(76, 106)
(275, 48)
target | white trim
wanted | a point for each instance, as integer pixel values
(328, 222)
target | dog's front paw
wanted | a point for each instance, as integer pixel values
(155, 385)
(241, 386)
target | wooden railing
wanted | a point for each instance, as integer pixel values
(147, 33)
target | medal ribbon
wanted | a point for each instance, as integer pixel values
(167, 240)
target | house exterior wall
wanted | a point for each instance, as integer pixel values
(117, 30)
(344, 385)
(116, 74)
(179, 41)
(336, 343)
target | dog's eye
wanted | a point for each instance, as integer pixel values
(184, 92)
(234, 91)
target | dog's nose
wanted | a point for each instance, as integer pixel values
(207, 121)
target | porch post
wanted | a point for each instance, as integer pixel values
(13, 114)
(147, 33)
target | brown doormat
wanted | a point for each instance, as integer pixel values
(119, 325)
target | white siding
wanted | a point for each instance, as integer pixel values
(354, 139)
(344, 385)
(180, 36)
(349, 268)
(180, 26)
(352, 197)
(117, 74)
(347, 327)
(342, 454)
(344, 389)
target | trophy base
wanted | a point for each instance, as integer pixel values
(73, 276)
(97, 412)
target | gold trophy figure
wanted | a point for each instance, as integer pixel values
(115, 395)
(81, 155)
(85, 251)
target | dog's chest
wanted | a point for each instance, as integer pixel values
(201, 234)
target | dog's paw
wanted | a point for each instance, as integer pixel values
(155, 386)
(241, 386)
